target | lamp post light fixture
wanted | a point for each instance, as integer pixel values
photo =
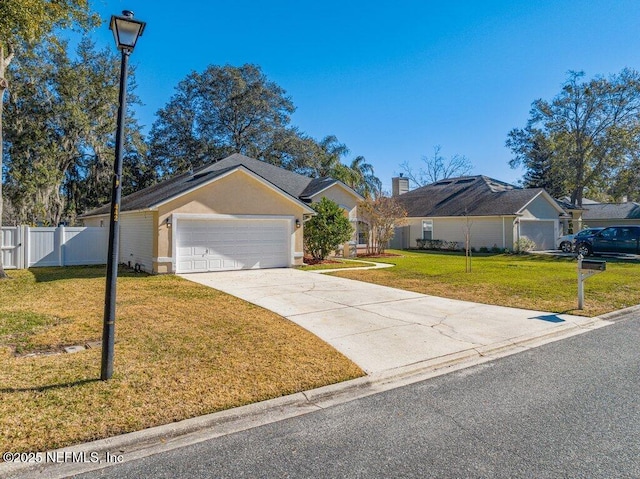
(126, 31)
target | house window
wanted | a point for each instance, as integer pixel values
(362, 232)
(427, 229)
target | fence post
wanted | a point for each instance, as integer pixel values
(58, 241)
(20, 247)
(27, 247)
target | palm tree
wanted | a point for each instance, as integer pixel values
(364, 181)
(358, 175)
(330, 152)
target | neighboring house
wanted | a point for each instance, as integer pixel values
(495, 213)
(236, 213)
(593, 214)
(611, 214)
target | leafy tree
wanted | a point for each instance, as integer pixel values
(228, 109)
(358, 175)
(626, 183)
(362, 179)
(544, 168)
(329, 159)
(382, 215)
(31, 21)
(583, 137)
(292, 150)
(220, 111)
(60, 132)
(327, 230)
(437, 167)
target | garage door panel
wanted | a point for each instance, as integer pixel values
(214, 264)
(228, 244)
(229, 264)
(541, 232)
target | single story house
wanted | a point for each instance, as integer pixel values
(236, 213)
(593, 214)
(610, 214)
(496, 214)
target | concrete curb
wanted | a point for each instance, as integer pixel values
(622, 314)
(158, 439)
(373, 266)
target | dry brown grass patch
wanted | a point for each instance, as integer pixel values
(182, 350)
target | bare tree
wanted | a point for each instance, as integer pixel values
(467, 242)
(382, 215)
(437, 167)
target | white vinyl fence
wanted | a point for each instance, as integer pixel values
(25, 247)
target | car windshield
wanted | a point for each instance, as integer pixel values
(589, 231)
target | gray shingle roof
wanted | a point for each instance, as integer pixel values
(298, 186)
(611, 211)
(467, 195)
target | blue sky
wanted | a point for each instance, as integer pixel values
(391, 79)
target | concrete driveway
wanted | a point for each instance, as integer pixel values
(381, 328)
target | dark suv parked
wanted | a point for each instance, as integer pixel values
(615, 239)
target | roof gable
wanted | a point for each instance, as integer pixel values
(230, 171)
(299, 187)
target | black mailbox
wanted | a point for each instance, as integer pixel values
(594, 265)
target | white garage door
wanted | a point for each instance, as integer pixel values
(542, 232)
(228, 244)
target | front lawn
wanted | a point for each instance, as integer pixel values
(333, 263)
(182, 350)
(538, 282)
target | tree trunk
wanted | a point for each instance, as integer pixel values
(3, 87)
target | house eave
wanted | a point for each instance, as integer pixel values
(340, 184)
(244, 169)
(142, 210)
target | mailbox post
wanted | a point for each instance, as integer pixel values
(586, 269)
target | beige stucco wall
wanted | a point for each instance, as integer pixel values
(340, 195)
(238, 193)
(540, 208)
(486, 231)
(137, 239)
(100, 221)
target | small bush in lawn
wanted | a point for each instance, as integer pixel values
(437, 245)
(327, 230)
(524, 245)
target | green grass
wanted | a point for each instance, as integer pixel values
(182, 350)
(538, 282)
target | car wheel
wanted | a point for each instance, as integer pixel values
(566, 247)
(584, 249)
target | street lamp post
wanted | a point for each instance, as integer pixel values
(126, 31)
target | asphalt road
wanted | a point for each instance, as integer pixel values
(569, 409)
